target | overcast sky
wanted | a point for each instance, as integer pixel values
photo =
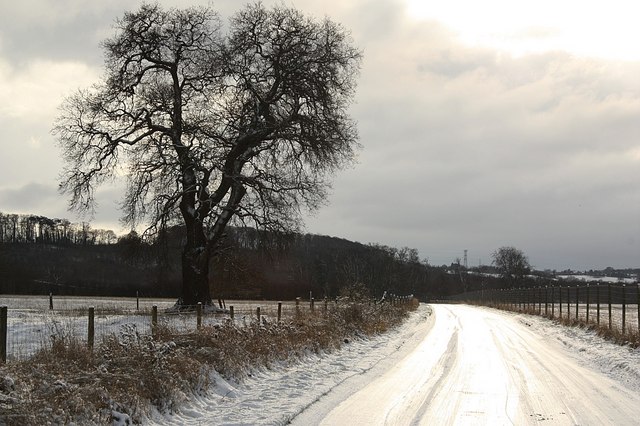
(483, 124)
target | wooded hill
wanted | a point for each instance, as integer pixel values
(40, 255)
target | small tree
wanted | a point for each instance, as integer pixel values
(512, 264)
(209, 128)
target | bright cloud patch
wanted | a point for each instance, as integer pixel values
(35, 91)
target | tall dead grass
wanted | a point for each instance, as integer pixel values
(132, 372)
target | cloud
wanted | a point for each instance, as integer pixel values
(466, 146)
(68, 30)
(34, 92)
(31, 198)
(44, 199)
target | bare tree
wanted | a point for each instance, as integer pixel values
(208, 128)
(512, 264)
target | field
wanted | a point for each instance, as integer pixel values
(33, 325)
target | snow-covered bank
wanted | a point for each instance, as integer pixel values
(284, 393)
(277, 395)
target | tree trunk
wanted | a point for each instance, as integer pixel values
(195, 266)
(195, 276)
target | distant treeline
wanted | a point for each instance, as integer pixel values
(40, 255)
(28, 228)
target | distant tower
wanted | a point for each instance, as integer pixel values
(465, 259)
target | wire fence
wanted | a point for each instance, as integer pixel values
(612, 306)
(30, 324)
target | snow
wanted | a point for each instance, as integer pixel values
(32, 325)
(30, 329)
(392, 373)
(277, 395)
(473, 365)
(590, 278)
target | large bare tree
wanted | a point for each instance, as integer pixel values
(210, 128)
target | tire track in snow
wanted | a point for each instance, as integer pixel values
(481, 366)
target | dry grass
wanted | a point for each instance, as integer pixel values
(131, 373)
(630, 337)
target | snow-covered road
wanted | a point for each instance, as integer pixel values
(479, 366)
(447, 365)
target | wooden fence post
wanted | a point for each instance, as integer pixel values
(568, 302)
(638, 302)
(546, 301)
(598, 304)
(539, 300)
(199, 315)
(553, 302)
(3, 334)
(313, 305)
(137, 301)
(609, 297)
(231, 311)
(624, 310)
(588, 307)
(297, 306)
(577, 301)
(154, 320)
(560, 300)
(91, 331)
(279, 311)
(258, 314)
(50, 301)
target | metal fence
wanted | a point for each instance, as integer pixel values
(29, 324)
(613, 306)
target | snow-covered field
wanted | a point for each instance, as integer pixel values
(591, 278)
(32, 325)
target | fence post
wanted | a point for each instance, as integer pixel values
(199, 315)
(154, 320)
(560, 300)
(3, 334)
(546, 300)
(577, 301)
(313, 305)
(91, 331)
(279, 311)
(231, 314)
(568, 302)
(624, 310)
(137, 301)
(539, 300)
(326, 305)
(609, 297)
(598, 303)
(50, 301)
(588, 304)
(258, 314)
(553, 302)
(638, 302)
